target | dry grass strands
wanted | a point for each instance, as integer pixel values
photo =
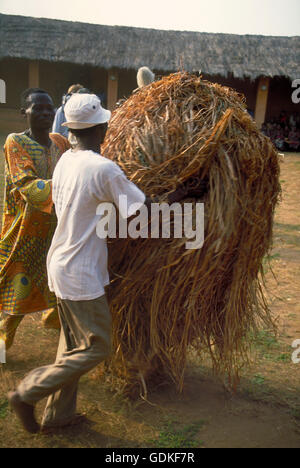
(163, 297)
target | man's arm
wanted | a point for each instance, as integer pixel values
(193, 187)
(120, 185)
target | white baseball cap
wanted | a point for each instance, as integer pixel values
(85, 111)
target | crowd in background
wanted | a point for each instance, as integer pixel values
(284, 131)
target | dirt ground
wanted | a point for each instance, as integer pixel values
(264, 412)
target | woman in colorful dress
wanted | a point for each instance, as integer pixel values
(28, 220)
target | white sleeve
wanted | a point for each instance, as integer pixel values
(123, 193)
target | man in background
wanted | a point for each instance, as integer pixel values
(60, 118)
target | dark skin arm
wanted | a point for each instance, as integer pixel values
(193, 187)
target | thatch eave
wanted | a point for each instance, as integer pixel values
(126, 47)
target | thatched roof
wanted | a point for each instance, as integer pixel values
(129, 48)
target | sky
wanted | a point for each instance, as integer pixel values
(266, 17)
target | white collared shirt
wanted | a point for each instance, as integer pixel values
(77, 258)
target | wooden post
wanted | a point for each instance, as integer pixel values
(112, 89)
(262, 100)
(34, 74)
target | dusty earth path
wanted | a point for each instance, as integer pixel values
(264, 413)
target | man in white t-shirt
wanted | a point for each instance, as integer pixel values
(77, 263)
(77, 266)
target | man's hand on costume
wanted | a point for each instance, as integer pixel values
(193, 187)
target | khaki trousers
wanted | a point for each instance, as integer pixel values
(85, 341)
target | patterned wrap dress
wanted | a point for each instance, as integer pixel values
(28, 223)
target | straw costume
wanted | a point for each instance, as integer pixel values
(164, 298)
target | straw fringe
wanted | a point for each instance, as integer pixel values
(163, 297)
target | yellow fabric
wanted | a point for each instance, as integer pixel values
(28, 223)
(8, 328)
